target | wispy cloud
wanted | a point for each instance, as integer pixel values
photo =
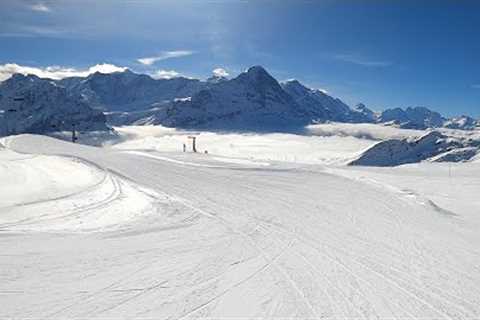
(476, 86)
(358, 60)
(165, 74)
(164, 56)
(56, 72)
(40, 7)
(220, 72)
(30, 31)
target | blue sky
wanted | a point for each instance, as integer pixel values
(383, 53)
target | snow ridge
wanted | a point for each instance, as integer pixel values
(433, 146)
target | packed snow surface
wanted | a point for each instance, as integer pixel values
(141, 230)
(66, 193)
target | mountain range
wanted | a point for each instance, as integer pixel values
(253, 101)
(29, 104)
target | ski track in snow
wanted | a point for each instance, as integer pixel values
(182, 236)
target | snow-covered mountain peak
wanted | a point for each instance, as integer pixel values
(257, 74)
(257, 69)
(20, 77)
(412, 117)
(360, 107)
(462, 122)
(293, 85)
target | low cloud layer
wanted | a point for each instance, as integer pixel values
(165, 74)
(148, 61)
(56, 72)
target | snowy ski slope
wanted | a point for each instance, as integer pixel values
(135, 232)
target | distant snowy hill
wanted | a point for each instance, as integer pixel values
(29, 104)
(433, 146)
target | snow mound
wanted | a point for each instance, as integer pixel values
(67, 194)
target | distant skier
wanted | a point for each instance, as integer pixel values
(184, 147)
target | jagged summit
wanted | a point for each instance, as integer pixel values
(253, 100)
(257, 69)
(413, 118)
(258, 75)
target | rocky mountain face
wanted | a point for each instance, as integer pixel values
(29, 104)
(422, 118)
(412, 118)
(367, 114)
(128, 91)
(253, 100)
(321, 107)
(216, 79)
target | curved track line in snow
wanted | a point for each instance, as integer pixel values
(82, 210)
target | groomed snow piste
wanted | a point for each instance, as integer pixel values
(141, 230)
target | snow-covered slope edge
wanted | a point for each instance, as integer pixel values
(284, 244)
(433, 146)
(68, 194)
